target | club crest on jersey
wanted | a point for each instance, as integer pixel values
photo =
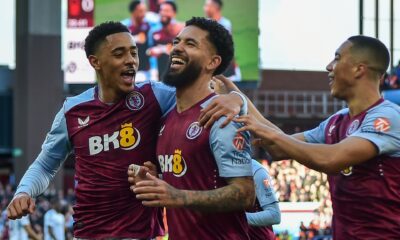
(238, 142)
(126, 139)
(348, 171)
(353, 127)
(382, 124)
(193, 130)
(174, 164)
(134, 101)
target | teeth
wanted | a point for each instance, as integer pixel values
(177, 60)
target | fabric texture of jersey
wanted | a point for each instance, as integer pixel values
(365, 197)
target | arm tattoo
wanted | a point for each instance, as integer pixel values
(237, 195)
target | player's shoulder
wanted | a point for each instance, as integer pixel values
(387, 109)
(155, 85)
(343, 111)
(219, 121)
(336, 115)
(84, 97)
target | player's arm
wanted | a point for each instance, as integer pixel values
(223, 85)
(266, 197)
(38, 176)
(237, 195)
(322, 157)
(228, 105)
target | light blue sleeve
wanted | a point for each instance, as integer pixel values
(381, 126)
(55, 150)
(269, 216)
(231, 150)
(165, 96)
(316, 135)
(266, 198)
(263, 185)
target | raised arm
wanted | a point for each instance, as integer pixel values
(55, 149)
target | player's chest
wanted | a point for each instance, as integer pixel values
(182, 133)
(342, 127)
(99, 131)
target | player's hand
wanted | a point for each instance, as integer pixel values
(224, 85)
(262, 133)
(21, 205)
(227, 105)
(155, 192)
(137, 173)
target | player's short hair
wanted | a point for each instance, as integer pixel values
(97, 35)
(219, 3)
(219, 37)
(372, 51)
(172, 4)
(133, 5)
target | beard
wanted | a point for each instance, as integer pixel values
(165, 21)
(184, 78)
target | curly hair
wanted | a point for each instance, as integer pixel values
(97, 35)
(219, 37)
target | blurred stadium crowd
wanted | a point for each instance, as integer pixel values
(51, 199)
(294, 182)
(392, 79)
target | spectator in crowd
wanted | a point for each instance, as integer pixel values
(20, 229)
(397, 71)
(162, 38)
(54, 221)
(139, 28)
(213, 10)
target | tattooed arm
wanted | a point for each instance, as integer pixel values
(237, 195)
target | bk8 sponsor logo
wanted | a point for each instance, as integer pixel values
(126, 139)
(174, 164)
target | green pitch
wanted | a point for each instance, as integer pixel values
(242, 13)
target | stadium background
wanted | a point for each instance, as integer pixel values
(292, 93)
(245, 30)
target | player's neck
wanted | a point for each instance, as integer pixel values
(189, 96)
(108, 96)
(362, 100)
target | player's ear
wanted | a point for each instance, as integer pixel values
(214, 63)
(94, 61)
(360, 70)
